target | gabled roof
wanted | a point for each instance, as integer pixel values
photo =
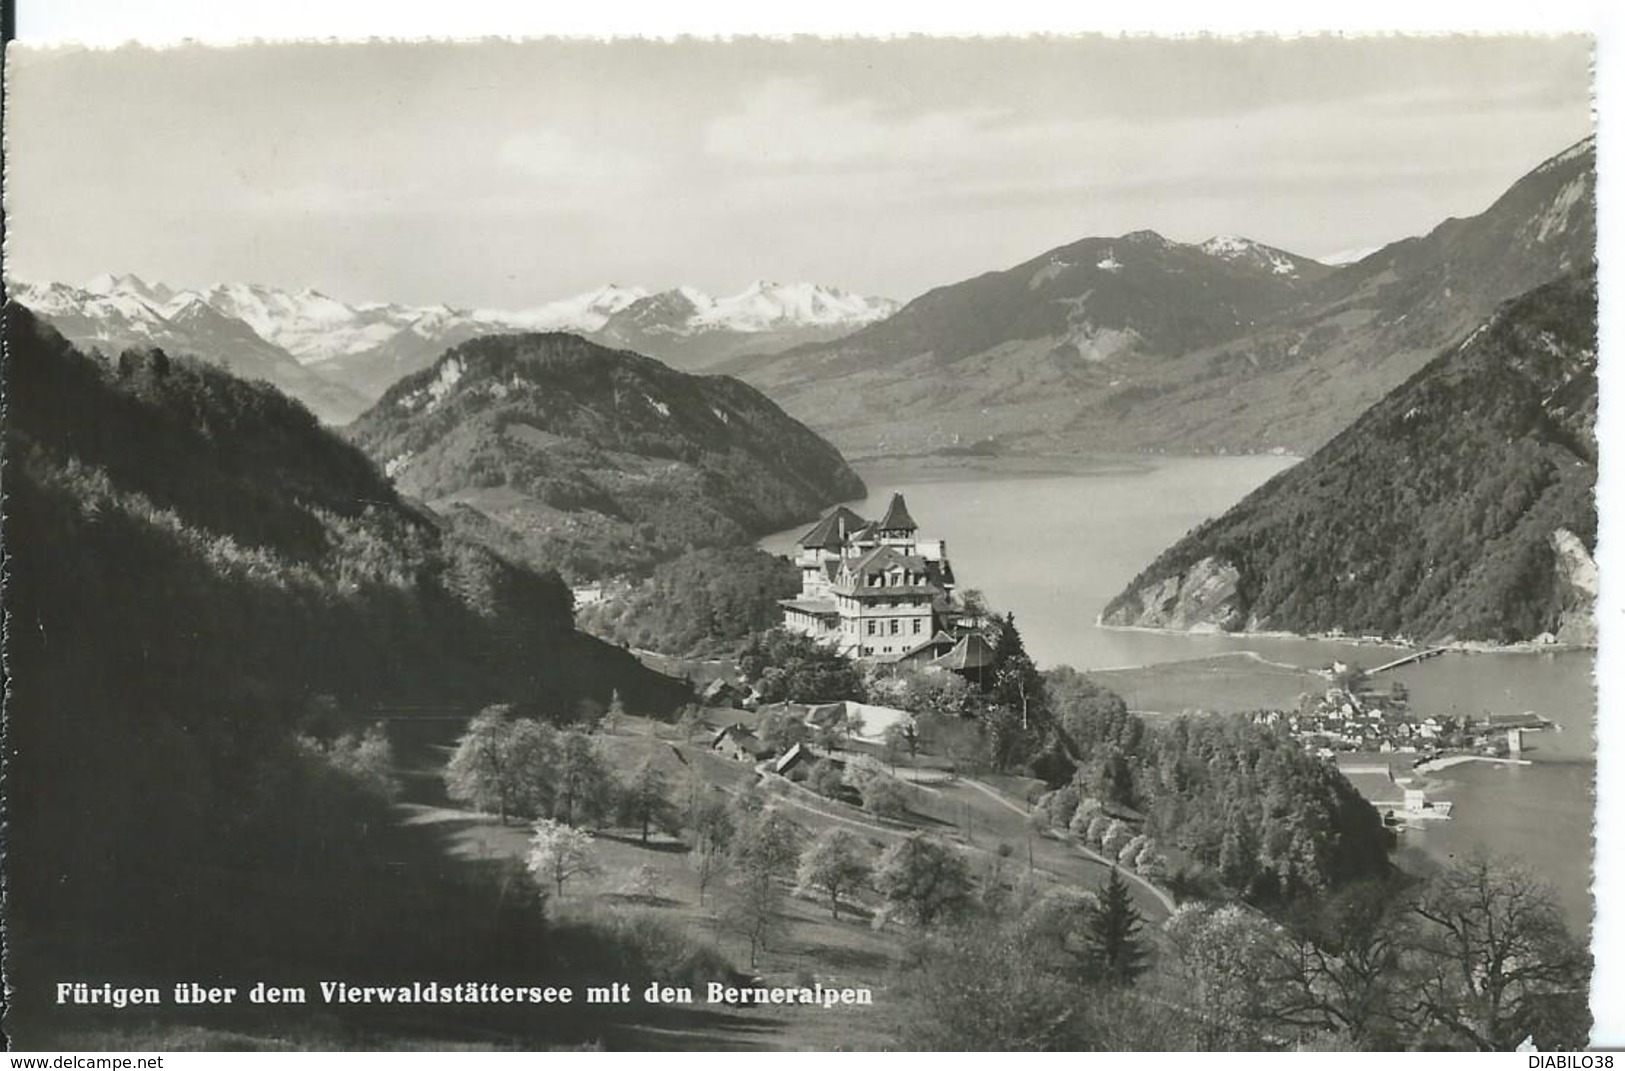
(971, 652)
(826, 715)
(797, 753)
(897, 518)
(737, 732)
(936, 645)
(831, 532)
(719, 686)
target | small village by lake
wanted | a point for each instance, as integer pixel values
(1053, 543)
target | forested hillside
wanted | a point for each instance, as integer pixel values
(203, 589)
(1460, 506)
(1243, 807)
(706, 602)
(597, 461)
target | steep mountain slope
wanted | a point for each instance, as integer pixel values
(1141, 343)
(594, 460)
(1011, 351)
(203, 589)
(130, 313)
(1303, 376)
(1460, 506)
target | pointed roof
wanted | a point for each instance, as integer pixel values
(832, 531)
(971, 652)
(897, 518)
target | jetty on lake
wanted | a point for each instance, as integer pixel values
(1419, 656)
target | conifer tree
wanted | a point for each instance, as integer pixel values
(1113, 934)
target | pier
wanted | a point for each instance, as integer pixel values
(1419, 656)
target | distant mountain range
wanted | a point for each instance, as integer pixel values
(1017, 350)
(1460, 506)
(690, 330)
(564, 453)
(1128, 343)
(338, 357)
(115, 314)
(1138, 342)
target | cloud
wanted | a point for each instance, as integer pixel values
(559, 159)
(791, 122)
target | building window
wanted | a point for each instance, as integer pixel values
(872, 628)
(895, 626)
(916, 626)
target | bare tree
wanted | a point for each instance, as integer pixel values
(1338, 965)
(710, 823)
(765, 852)
(1496, 963)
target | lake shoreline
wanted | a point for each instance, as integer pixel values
(1457, 646)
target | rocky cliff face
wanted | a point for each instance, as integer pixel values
(1203, 598)
(1577, 586)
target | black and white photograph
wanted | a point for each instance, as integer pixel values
(1005, 543)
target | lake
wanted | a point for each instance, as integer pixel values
(1053, 541)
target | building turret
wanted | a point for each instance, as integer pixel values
(897, 527)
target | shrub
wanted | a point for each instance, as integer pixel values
(1098, 825)
(885, 796)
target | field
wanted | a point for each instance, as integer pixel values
(435, 869)
(988, 824)
(1219, 685)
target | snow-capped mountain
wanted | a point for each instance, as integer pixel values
(688, 328)
(309, 324)
(114, 313)
(765, 306)
(364, 348)
(583, 313)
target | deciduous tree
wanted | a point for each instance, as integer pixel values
(502, 764)
(764, 853)
(923, 880)
(711, 825)
(834, 866)
(645, 802)
(559, 852)
(1496, 963)
(583, 790)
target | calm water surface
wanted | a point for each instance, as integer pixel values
(1054, 549)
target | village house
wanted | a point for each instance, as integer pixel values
(740, 744)
(721, 693)
(872, 589)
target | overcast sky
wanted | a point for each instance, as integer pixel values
(504, 174)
